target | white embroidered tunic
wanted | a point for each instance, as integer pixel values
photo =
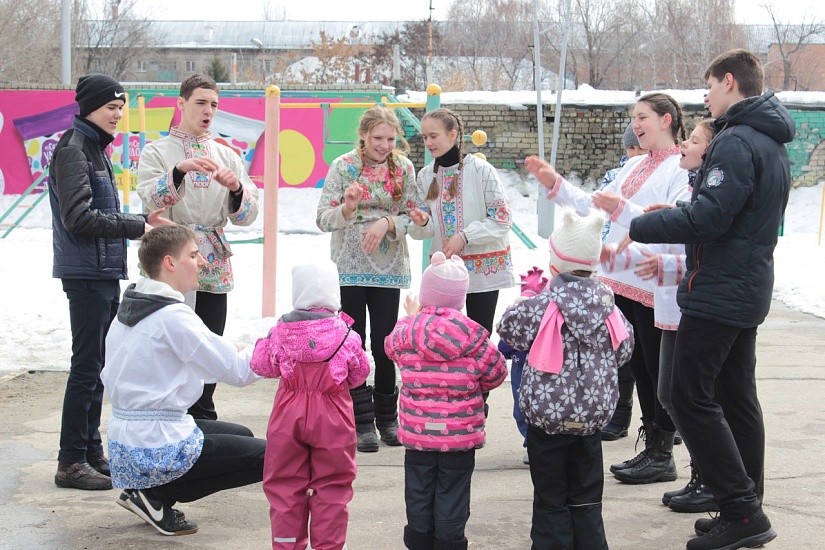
(201, 203)
(655, 178)
(481, 210)
(154, 372)
(389, 265)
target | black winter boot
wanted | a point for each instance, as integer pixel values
(694, 498)
(620, 422)
(646, 432)
(417, 541)
(364, 419)
(386, 417)
(657, 465)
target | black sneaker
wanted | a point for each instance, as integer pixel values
(730, 535)
(80, 476)
(157, 515)
(123, 500)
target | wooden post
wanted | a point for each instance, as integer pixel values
(272, 162)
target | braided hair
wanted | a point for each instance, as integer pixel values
(369, 120)
(451, 121)
(662, 104)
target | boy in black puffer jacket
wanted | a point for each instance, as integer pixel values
(89, 241)
(730, 227)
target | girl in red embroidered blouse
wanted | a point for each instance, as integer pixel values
(658, 123)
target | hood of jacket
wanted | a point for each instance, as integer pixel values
(584, 302)
(143, 299)
(442, 334)
(764, 113)
(312, 336)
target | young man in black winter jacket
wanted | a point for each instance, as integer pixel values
(89, 242)
(730, 228)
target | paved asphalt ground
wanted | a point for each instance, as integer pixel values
(35, 514)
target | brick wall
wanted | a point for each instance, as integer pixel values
(590, 139)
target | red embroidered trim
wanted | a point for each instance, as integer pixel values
(631, 292)
(638, 177)
(495, 254)
(660, 265)
(619, 209)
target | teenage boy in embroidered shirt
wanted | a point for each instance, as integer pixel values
(203, 185)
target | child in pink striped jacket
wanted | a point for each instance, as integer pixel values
(446, 362)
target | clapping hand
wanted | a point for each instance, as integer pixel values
(533, 282)
(419, 217)
(607, 202)
(411, 304)
(542, 170)
(352, 196)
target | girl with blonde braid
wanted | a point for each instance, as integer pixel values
(368, 195)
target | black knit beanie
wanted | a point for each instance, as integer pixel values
(96, 90)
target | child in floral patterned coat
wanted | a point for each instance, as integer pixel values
(309, 465)
(446, 361)
(576, 339)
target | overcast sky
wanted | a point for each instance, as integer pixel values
(747, 11)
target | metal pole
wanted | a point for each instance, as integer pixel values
(66, 41)
(563, 78)
(537, 77)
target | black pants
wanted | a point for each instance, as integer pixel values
(382, 304)
(726, 442)
(231, 457)
(481, 308)
(568, 480)
(437, 493)
(92, 307)
(211, 308)
(645, 360)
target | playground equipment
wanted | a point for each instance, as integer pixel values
(38, 185)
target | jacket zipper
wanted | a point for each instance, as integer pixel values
(695, 271)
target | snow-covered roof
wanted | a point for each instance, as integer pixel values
(273, 35)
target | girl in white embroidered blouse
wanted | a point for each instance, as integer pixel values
(655, 178)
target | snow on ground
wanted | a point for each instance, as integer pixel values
(34, 308)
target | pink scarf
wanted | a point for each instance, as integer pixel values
(547, 352)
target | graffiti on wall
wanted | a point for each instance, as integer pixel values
(32, 121)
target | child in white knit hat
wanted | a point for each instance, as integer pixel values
(446, 361)
(309, 465)
(576, 339)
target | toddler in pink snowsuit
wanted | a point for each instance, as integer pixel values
(310, 452)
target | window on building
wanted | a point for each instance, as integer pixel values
(141, 66)
(190, 66)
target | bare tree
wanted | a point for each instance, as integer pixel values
(336, 58)
(687, 35)
(274, 11)
(25, 56)
(413, 41)
(791, 45)
(110, 43)
(491, 42)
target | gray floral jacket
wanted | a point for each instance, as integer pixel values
(581, 398)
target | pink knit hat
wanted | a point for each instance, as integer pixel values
(445, 282)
